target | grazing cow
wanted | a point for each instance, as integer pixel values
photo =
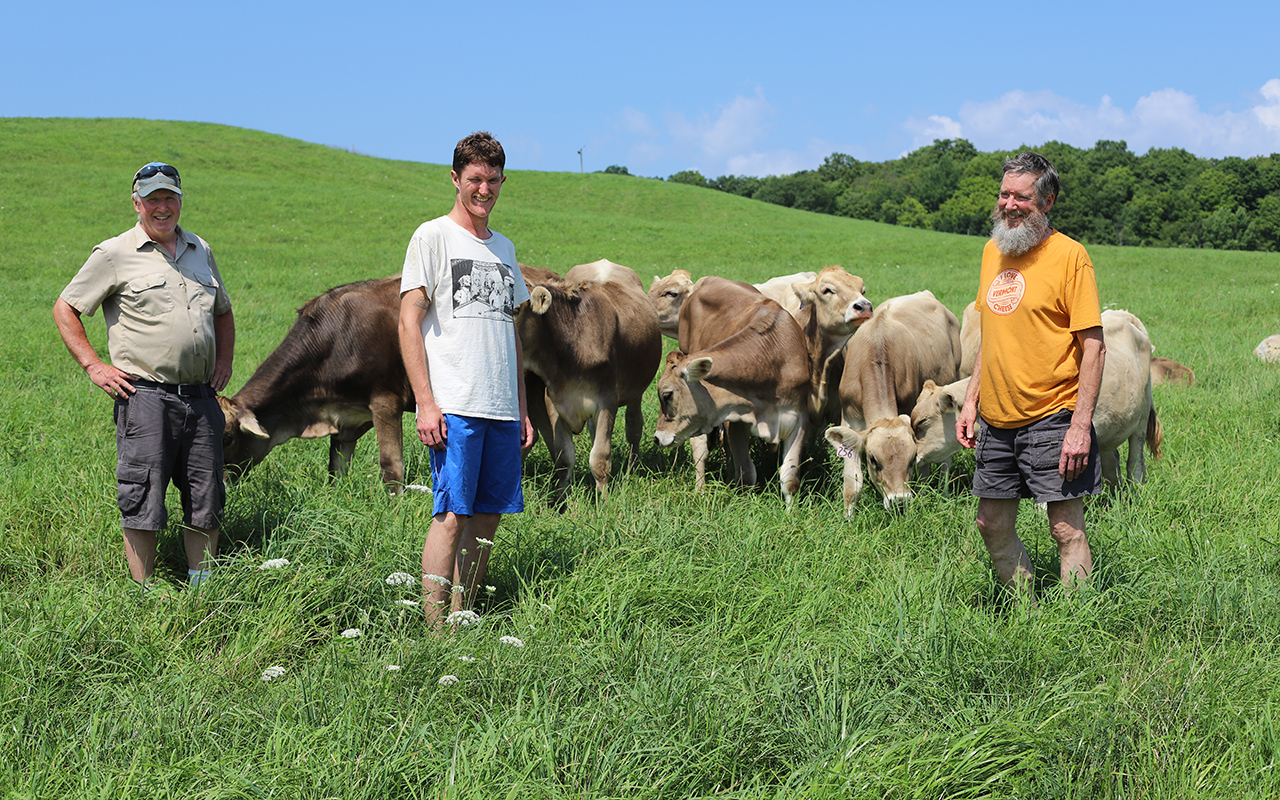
(909, 340)
(592, 340)
(337, 373)
(1269, 348)
(1164, 370)
(1124, 411)
(742, 361)
(667, 296)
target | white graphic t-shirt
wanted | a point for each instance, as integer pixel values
(474, 286)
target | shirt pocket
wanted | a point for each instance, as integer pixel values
(148, 297)
(203, 290)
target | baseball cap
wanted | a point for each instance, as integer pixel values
(156, 175)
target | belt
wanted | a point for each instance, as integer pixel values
(180, 389)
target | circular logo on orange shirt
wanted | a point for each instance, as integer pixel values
(1005, 292)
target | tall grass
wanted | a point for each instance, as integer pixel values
(675, 644)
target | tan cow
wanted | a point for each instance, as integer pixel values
(592, 344)
(741, 361)
(832, 306)
(667, 296)
(782, 289)
(1164, 370)
(909, 340)
(1124, 411)
(970, 338)
(1269, 348)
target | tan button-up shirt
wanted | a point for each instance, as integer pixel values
(159, 309)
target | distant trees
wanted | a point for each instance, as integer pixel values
(1164, 198)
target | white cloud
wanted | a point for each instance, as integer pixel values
(1165, 118)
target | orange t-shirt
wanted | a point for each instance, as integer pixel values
(1031, 307)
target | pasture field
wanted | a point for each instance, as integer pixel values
(672, 644)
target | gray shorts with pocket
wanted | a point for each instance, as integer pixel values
(1023, 462)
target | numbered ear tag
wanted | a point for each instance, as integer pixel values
(845, 451)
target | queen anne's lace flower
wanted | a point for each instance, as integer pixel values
(447, 680)
(274, 563)
(485, 542)
(271, 673)
(467, 659)
(393, 668)
(440, 579)
(462, 618)
(412, 603)
(511, 640)
(401, 579)
(351, 633)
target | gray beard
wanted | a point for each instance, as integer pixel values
(1020, 240)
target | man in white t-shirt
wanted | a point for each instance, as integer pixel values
(458, 293)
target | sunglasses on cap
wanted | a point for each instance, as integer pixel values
(157, 167)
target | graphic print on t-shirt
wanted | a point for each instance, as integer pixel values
(485, 289)
(1005, 292)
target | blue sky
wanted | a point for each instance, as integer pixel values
(747, 88)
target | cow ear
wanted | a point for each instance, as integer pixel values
(947, 403)
(250, 425)
(929, 386)
(539, 300)
(845, 440)
(697, 369)
(318, 429)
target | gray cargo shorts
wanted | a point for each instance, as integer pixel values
(1023, 462)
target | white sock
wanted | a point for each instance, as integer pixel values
(195, 577)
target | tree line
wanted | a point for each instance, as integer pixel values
(1163, 198)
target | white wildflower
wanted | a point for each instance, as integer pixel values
(418, 487)
(271, 673)
(274, 563)
(351, 633)
(440, 579)
(511, 640)
(467, 659)
(485, 542)
(401, 579)
(458, 588)
(408, 602)
(491, 589)
(462, 618)
(447, 680)
(393, 668)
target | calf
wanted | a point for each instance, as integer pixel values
(741, 361)
(909, 340)
(1269, 348)
(1164, 370)
(593, 343)
(337, 373)
(667, 296)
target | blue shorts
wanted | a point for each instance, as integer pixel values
(478, 472)
(1023, 462)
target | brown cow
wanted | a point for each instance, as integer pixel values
(831, 307)
(667, 296)
(337, 373)
(592, 340)
(909, 340)
(742, 361)
(1164, 370)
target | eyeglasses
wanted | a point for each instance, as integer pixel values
(157, 167)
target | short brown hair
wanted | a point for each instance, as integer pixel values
(478, 148)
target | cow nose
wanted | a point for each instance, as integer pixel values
(857, 309)
(897, 501)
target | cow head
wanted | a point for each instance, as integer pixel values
(933, 421)
(668, 295)
(889, 449)
(685, 406)
(245, 442)
(838, 301)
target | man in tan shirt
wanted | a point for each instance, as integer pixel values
(171, 338)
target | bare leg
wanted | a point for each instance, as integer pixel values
(140, 552)
(201, 545)
(1066, 524)
(452, 552)
(997, 522)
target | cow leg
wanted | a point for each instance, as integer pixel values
(389, 429)
(601, 447)
(852, 481)
(560, 444)
(1111, 469)
(792, 451)
(342, 447)
(698, 444)
(744, 470)
(635, 431)
(1135, 466)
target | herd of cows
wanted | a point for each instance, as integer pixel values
(794, 357)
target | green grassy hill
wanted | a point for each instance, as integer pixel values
(674, 644)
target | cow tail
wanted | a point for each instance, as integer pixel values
(1155, 432)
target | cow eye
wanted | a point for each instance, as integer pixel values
(874, 462)
(828, 290)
